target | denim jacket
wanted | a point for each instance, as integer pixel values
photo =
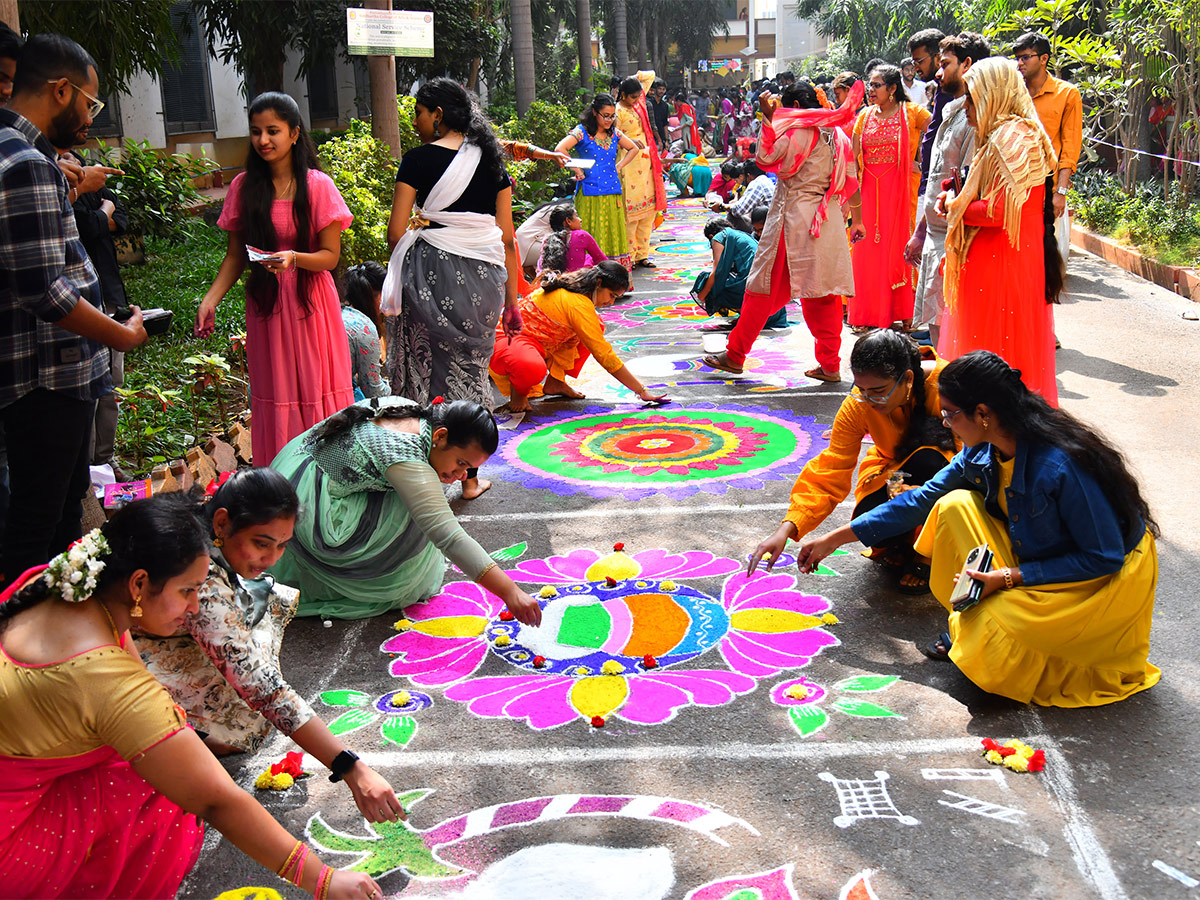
(1062, 526)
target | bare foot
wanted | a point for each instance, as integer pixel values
(552, 386)
(518, 404)
(474, 487)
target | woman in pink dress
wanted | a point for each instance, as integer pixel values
(887, 144)
(296, 348)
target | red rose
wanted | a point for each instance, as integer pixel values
(539, 661)
(290, 764)
(650, 662)
(506, 616)
(989, 744)
(618, 547)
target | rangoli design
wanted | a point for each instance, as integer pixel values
(673, 452)
(615, 636)
(978, 807)
(765, 371)
(685, 248)
(773, 885)
(865, 799)
(674, 310)
(396, 708)
(802, 697)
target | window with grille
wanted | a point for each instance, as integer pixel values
(322, 90)
(186, 86)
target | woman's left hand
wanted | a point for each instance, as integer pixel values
(511, 318)
(648, 397)
(281, 262)
(373, 796)
(992, 581)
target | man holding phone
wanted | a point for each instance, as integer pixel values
(953, 144)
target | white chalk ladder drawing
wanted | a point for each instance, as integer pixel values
(865, 799)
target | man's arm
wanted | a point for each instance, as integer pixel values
(1072, 145)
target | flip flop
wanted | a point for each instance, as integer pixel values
(939, 647)
(713, 363)
(821, 375)
(919, 571)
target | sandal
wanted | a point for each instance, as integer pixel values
(890, 558)
(939, 647)
(715, 363)
(821, 375)
(918, 571)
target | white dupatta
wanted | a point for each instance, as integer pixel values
(469, 234)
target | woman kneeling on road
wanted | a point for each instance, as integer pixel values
(1065, 619)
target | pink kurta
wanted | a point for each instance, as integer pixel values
(299, 361)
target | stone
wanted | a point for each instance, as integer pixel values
(239, 437)
(162, 481)
(223, 455)
(182, 475)
(200, 464)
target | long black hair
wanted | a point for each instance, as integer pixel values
(800, 95)
(629, 87)
(980, 377)
(254, 497)
(589, 120)
(361, 286)
(461, 112)
(258, 196)
(163, 535)
(1056, 271)
(466, 422)
(889, 354)
(609, 274)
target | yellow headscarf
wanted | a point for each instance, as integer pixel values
(1013, 155)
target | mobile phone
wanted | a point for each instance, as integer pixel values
(956, 174)
(968, 591)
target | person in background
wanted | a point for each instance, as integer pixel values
(703, 111)
(723, 287)
(688, 129)
(569, 246)
(600, 199)
(642, 178)
(1060, 109)
(953, 147)
(10, 48)
(561, 332)
(53, 333)
(914, 88)
(361, 287)
(660, 111)
(887, 140)
(105, 786)
(1003, 271)
(532, 235)
(786, 79)
(1068, 601)
(930, 91)
(720, 191)
(725, 125)
(924, 48)
(372, 476)
(842, 85)
(760, 190)
(692, 176)
(285, 205)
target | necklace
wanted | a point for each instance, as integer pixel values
(111, 623)
(287, 191)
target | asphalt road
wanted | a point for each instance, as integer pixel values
(703, 786)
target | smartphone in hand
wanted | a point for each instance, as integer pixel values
(969, 591)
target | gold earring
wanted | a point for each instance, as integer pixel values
(985, 424)
(136, 612)
(218, 542)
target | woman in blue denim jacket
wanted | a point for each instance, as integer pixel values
(1070, 595)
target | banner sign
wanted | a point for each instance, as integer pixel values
(381, 32)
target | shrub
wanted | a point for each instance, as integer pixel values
(365, 174)
(536, 182)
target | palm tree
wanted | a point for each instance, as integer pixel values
(583, 31)
(523, 70)
(622, 37)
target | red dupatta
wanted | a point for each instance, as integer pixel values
(660, 191)
(686, 109)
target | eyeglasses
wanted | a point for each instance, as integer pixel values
(606, 115)
(876, 85)
(921, 60)
(94, 106)
(946, 417)
(862, 397)
(1025, 57)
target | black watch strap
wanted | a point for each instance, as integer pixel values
(342, 763)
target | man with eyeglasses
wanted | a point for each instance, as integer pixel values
(54, 361)
(1060, 109)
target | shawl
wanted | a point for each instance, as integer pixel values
(844, 182)
(1013, 155)
(660, 191)
(469, 234)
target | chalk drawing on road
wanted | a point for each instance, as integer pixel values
(859, 887)
(865, 799)
(802, 697)
(1171, 872)
(615, 633)
(996, 775)
(395, 708)
(250, 893)
(773, 885)
(388, 847)
(978, 807)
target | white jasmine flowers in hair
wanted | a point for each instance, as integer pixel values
(72, 574)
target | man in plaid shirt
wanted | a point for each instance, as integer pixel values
(53, 339)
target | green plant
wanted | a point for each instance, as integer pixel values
(157, 190)
(535, 182)
(141, 405)
(365, 172)
(208, 369)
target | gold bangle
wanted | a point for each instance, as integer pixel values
(1008, 579)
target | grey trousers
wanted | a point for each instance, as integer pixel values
(104, 433)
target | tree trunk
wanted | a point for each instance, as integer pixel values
(473, 79)
(522, 40)
(645, 52)
(385, 120)
(9, 15)
(583, 27)
(621, 36)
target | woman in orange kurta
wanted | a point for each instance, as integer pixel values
(1000, 275)
(895, 402)
(560, 330)
(887, 145)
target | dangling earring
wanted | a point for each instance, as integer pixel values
(985, 424)
(136, 612)
(437, 130)
(218, 542)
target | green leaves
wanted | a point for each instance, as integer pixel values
(516, 551)
(808, 720)
(387, 847)
(345, 698)
(351, 721)
(398, 730)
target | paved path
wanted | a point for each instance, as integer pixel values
(740, 742)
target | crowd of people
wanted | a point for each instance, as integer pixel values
(133, 656)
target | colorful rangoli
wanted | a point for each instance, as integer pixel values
(671, 310)
(667, 452)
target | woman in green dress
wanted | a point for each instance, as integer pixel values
(375, 528)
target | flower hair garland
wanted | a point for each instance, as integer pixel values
(72, 574)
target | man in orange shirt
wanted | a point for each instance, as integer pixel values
(1060, 108)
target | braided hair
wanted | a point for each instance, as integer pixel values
(889, 354)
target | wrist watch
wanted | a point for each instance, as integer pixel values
(1062, 190)
(342, 763)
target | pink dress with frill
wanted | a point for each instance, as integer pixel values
(299, 361)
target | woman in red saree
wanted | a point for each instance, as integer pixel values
(102, 784)
(1001, 274)
(887, 143)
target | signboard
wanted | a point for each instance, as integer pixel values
(381, 32)
(720, 67)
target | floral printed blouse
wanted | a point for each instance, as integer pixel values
(365, 355)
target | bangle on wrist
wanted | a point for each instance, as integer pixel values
(1008, 579)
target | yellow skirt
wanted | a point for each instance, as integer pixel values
(1083, 643)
